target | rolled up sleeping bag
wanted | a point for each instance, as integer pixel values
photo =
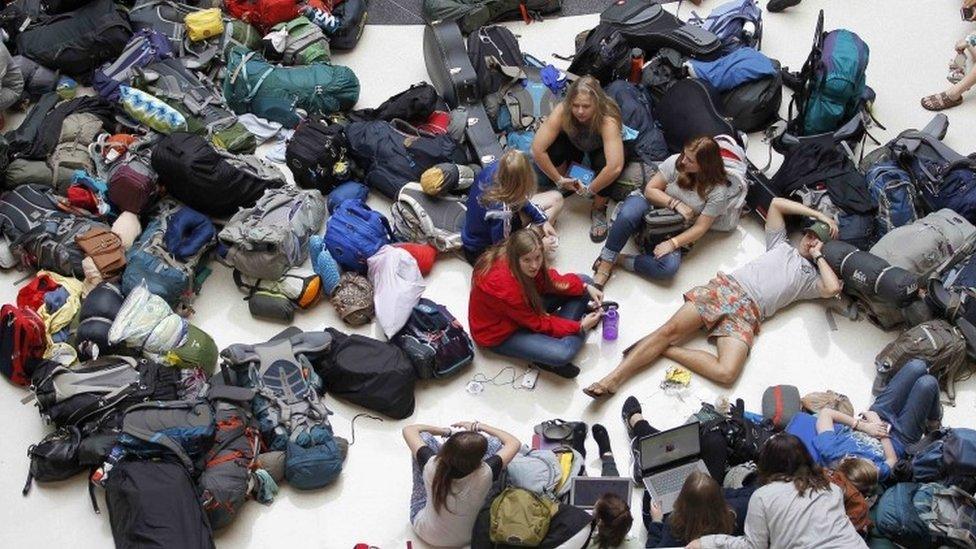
(271, 306)
(96, 315)
(300, 285)
(870, 275)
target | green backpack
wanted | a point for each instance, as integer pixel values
(303, 44)
(520, 517)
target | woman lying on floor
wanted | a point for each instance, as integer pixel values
(587, 123)
(731, 307)
(693, 184)
(503, 199)
(521, 308)
(907, 408)
(452, 479)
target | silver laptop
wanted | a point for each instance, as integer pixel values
(666, 459)
(585, 491)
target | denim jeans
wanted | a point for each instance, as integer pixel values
(630, 219)
(911, 398)
(545, 350)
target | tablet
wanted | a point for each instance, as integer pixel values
(581, 173)
(585, 491)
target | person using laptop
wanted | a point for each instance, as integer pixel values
(503, 199)
(702, 507)
(693, 184)
(587, 123)
(732, 306)
(455, 478)
(611, 513)
(796, 506)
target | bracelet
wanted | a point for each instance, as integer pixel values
(817, 259)
(674, 243)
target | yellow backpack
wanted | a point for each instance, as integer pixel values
(204, 24)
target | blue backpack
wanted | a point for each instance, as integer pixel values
(727, 22)
(291, 415)
(170, 255)
(950, 458)
(834, 81)
(894, 192)
(145, 47)
(951, 185)
(897, 518)
(354, 233)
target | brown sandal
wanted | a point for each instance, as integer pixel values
(602, 273)
(940, 102)
(598, 390)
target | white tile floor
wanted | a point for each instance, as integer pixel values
(911, 46)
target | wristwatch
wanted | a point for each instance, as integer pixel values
(817, 258)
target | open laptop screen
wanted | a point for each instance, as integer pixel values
(585, 491)
(669, 446)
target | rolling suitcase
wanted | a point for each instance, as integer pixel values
(646, 25)
(448, 64)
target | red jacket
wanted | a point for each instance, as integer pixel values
(498, 308)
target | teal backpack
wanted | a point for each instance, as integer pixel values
(274, 92)
(833, 78)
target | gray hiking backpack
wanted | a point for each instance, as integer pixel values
(267, 239)
(950, 514)
(292, 416)
(922, 246)
(540, 472)
(419, 217)
(940, 344)
(523, 103)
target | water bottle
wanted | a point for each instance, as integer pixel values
(611, 319)
(636, 65)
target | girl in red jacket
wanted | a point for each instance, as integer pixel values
(521, 308)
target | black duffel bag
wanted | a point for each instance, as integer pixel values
(868, 275)
(78, 41)
(215, 183)
(754, 105)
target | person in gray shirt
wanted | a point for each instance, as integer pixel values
(733, 305)
(797, 506)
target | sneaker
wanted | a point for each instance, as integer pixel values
(631, 406)
(776, 6)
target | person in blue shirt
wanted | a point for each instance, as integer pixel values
(902, 413)
(504, 199)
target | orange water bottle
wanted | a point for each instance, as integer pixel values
(636, 65)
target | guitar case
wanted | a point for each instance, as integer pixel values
(688, 110)
(448, 64)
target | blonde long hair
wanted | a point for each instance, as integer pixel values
(605, 106)
(514, 181)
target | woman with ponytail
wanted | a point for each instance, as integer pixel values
(454, 479)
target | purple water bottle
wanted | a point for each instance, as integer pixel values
(611, 319)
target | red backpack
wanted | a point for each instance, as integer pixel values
(22, 342)
(262, 13)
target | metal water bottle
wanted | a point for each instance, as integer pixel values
(611, 320)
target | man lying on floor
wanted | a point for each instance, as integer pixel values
(733, 305)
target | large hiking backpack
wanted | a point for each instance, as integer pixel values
(264, 14)
(635, 105)
(42, 235)
(396, 153)
(489, 47)
(210, 181)
(99, 391)
(949, 457)
(727, 22)
(77, 42)
(183, 429)
(414, 105)
(434, 341)
(743, 438)
(156, 503)
(754, 105)
(523, 102)
(370, 373)
(201, 105)
(471, 14)
(256, 86)
(897, 518)
(316, 155)
(355, 232)
(40, 132)
(292, 416)
(419, 217)
(23, 340)
(940, 344)
(833, 82)
(949, 512)
(267, 239)
(352, 15)
(231, 463)
(297, 42)
(952, 293)
(922, 246)
(146, 46)
(892, 188)
(171, 254)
